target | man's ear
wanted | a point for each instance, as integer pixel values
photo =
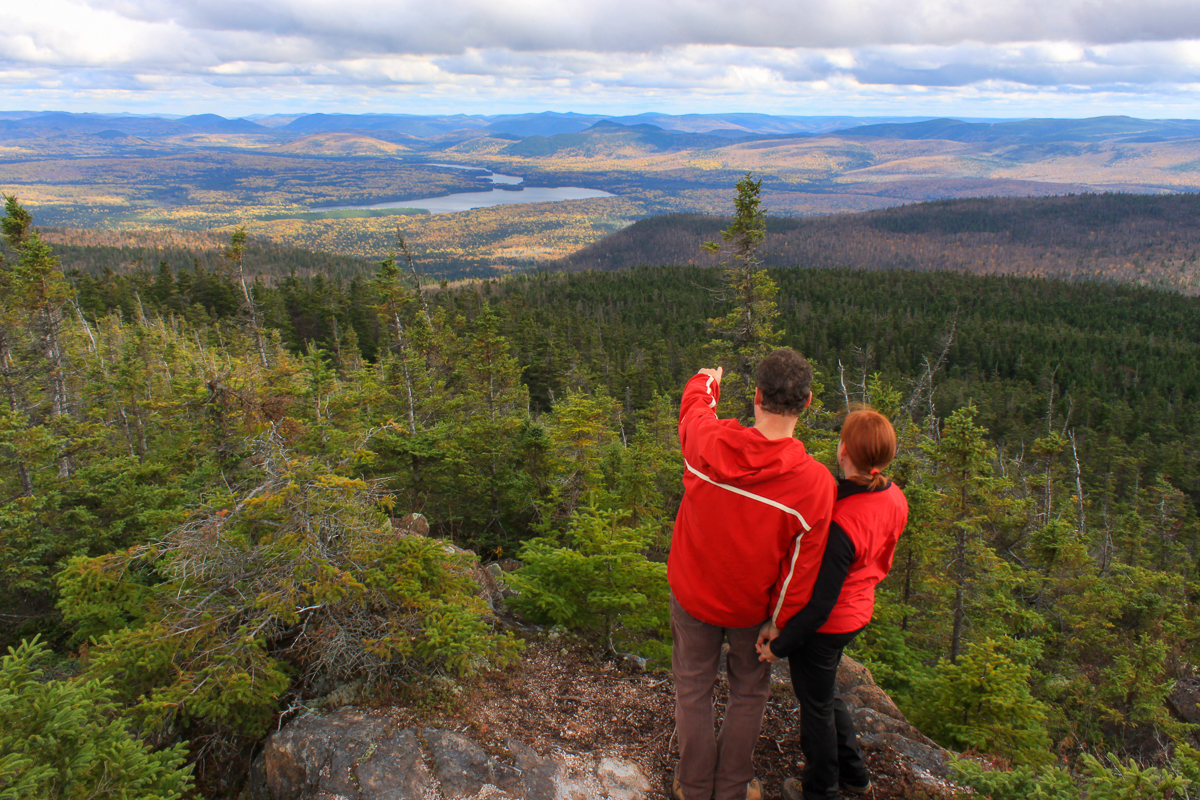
(807, 401)
(757, 396)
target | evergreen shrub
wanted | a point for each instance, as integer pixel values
(599, 582)
(64, 739)
(983, 702)
(1116, 780)
(297, 584)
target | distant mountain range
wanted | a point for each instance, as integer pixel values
(64, 123)
(542, 133)
(1125, 129)
(511, 125)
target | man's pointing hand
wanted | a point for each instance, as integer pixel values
(715, 374)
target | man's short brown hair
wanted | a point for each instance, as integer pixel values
(785, 378)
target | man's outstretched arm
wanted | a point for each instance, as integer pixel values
(698, 416)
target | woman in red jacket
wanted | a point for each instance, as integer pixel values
(868, 517)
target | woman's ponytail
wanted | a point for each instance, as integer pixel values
(869, 441)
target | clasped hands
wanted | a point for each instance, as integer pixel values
(767, 634)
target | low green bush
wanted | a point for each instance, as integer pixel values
(1116, 780)
(65, 740)
(983, 702)
(294, 585)
(598, 581)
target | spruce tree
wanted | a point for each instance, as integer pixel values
(983, 702)
(747, 331)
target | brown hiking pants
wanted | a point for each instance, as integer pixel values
(717, 766)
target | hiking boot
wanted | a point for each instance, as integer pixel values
(753, 789)
(794, 790)
(856, 789)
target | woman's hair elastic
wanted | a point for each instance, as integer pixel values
(874, 472)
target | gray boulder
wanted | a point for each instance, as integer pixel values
(354, 754)
(464, 768)
(570, 776)
(347, 754)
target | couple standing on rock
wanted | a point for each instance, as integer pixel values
(773, 555)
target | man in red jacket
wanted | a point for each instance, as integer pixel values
(746, 548)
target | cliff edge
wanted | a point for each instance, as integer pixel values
(562, 726)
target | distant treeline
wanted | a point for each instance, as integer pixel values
(94, 252)
(1150, 240)
(1120, 361)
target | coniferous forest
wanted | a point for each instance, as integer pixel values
(207, 477)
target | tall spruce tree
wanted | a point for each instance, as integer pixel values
(38, 292)
(486, 417)
(971, 501)
(747, 331)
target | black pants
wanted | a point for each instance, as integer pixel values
(831, 752)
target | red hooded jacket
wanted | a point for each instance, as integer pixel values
(751, 529)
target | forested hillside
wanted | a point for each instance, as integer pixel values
(1147, 240)
(94, 251)
(207, 481)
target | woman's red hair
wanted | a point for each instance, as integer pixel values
(869, 441)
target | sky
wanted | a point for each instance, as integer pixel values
(968, 58)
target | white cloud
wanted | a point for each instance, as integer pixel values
(60, 32)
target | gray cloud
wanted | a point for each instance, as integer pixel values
(363, 27)
(627, 53)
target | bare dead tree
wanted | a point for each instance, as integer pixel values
(402, 246)
(922, 390)
(233, 254)
(842, 380)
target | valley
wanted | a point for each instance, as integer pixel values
(211, 174)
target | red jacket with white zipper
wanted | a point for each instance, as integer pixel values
(751, 529)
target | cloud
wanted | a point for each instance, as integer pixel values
(73, 30)
(626, 52)
(452, 26)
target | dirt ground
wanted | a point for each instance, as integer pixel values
(564, 697)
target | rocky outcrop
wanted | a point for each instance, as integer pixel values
(353, 754)
(880, 724)
(516, 749)
(526, 743)
(1184, 700)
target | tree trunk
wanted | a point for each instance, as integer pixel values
(908, 571)
(960, 580)
(252, 314)
(14, 403)
(58, 379)
(402, 346)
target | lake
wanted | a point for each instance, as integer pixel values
(465, 201)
